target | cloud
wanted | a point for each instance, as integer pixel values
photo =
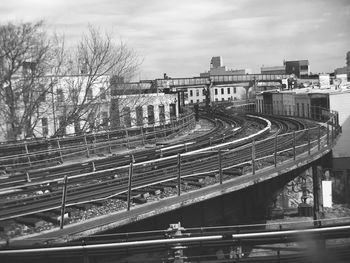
(180, 36)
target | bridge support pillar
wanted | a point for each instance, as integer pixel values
(318, 204)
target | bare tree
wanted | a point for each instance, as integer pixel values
(89, 68)
(25, 57)
(69, 87)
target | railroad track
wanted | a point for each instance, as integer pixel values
(224, 130)
(39, 153)
(112, 182)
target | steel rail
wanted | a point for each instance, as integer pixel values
(153, 179)
(181, 240)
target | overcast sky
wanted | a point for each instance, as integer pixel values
(179, 37)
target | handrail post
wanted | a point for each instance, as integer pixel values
(143, 136)
(109, 142)
(63, 205)
(154, 131)
(87, 147)
(129, 186)
(220, 165)
(253, 157)
(127, 138)
(327, 134)
(308, 141)
(164, 128)
(94, 144)
(294, 146)
(275, 151)
(27, 153)
(332, 133)
(178, 174)
(319, 137)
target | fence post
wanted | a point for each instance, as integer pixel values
(327, 133)
(87, 147)
(109, 143)
(143, 136)
(294, 146)
(63, 205)
(275, 152)
(178, 174)
(94, 143)
(332, 132)
(164, 128)
(129, 185)
(319, 137)
(27, 153)
(127, 137)
(308, 141)
(154, 131)
(28, 177)
(59, 150)
(220, 165)
(253, 157)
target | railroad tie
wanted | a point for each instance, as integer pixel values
(193, 182)
(84, 207)
(30, 221)
(135, 199)
(233, 172)
(51, 217)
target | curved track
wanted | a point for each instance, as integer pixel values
(111, 182)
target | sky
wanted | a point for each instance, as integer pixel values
(179, 37)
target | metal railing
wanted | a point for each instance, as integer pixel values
(58, 150)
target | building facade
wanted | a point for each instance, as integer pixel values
(300, 68)
(217, 93)
(73, 106)
(273, 70)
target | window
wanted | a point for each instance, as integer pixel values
(102, 94)
(126, 116)
(91, 120)
(234, 90)
(42, 93)
(172, 109)
(62, 124)
(104, 119)
(89, 94)
(161, 113)
(150, 114)
(228, 91)
(60, 96)
(197, 101)
(191, 101)
(222, 90)
(139, 116)
(222, 99)
(298, 109)
(191, 93)
(197, 92)
(203, 92)
(302, 110)
(216, 99)
(216, 91)
(44, 125)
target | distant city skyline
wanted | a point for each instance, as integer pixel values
(180, 37)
